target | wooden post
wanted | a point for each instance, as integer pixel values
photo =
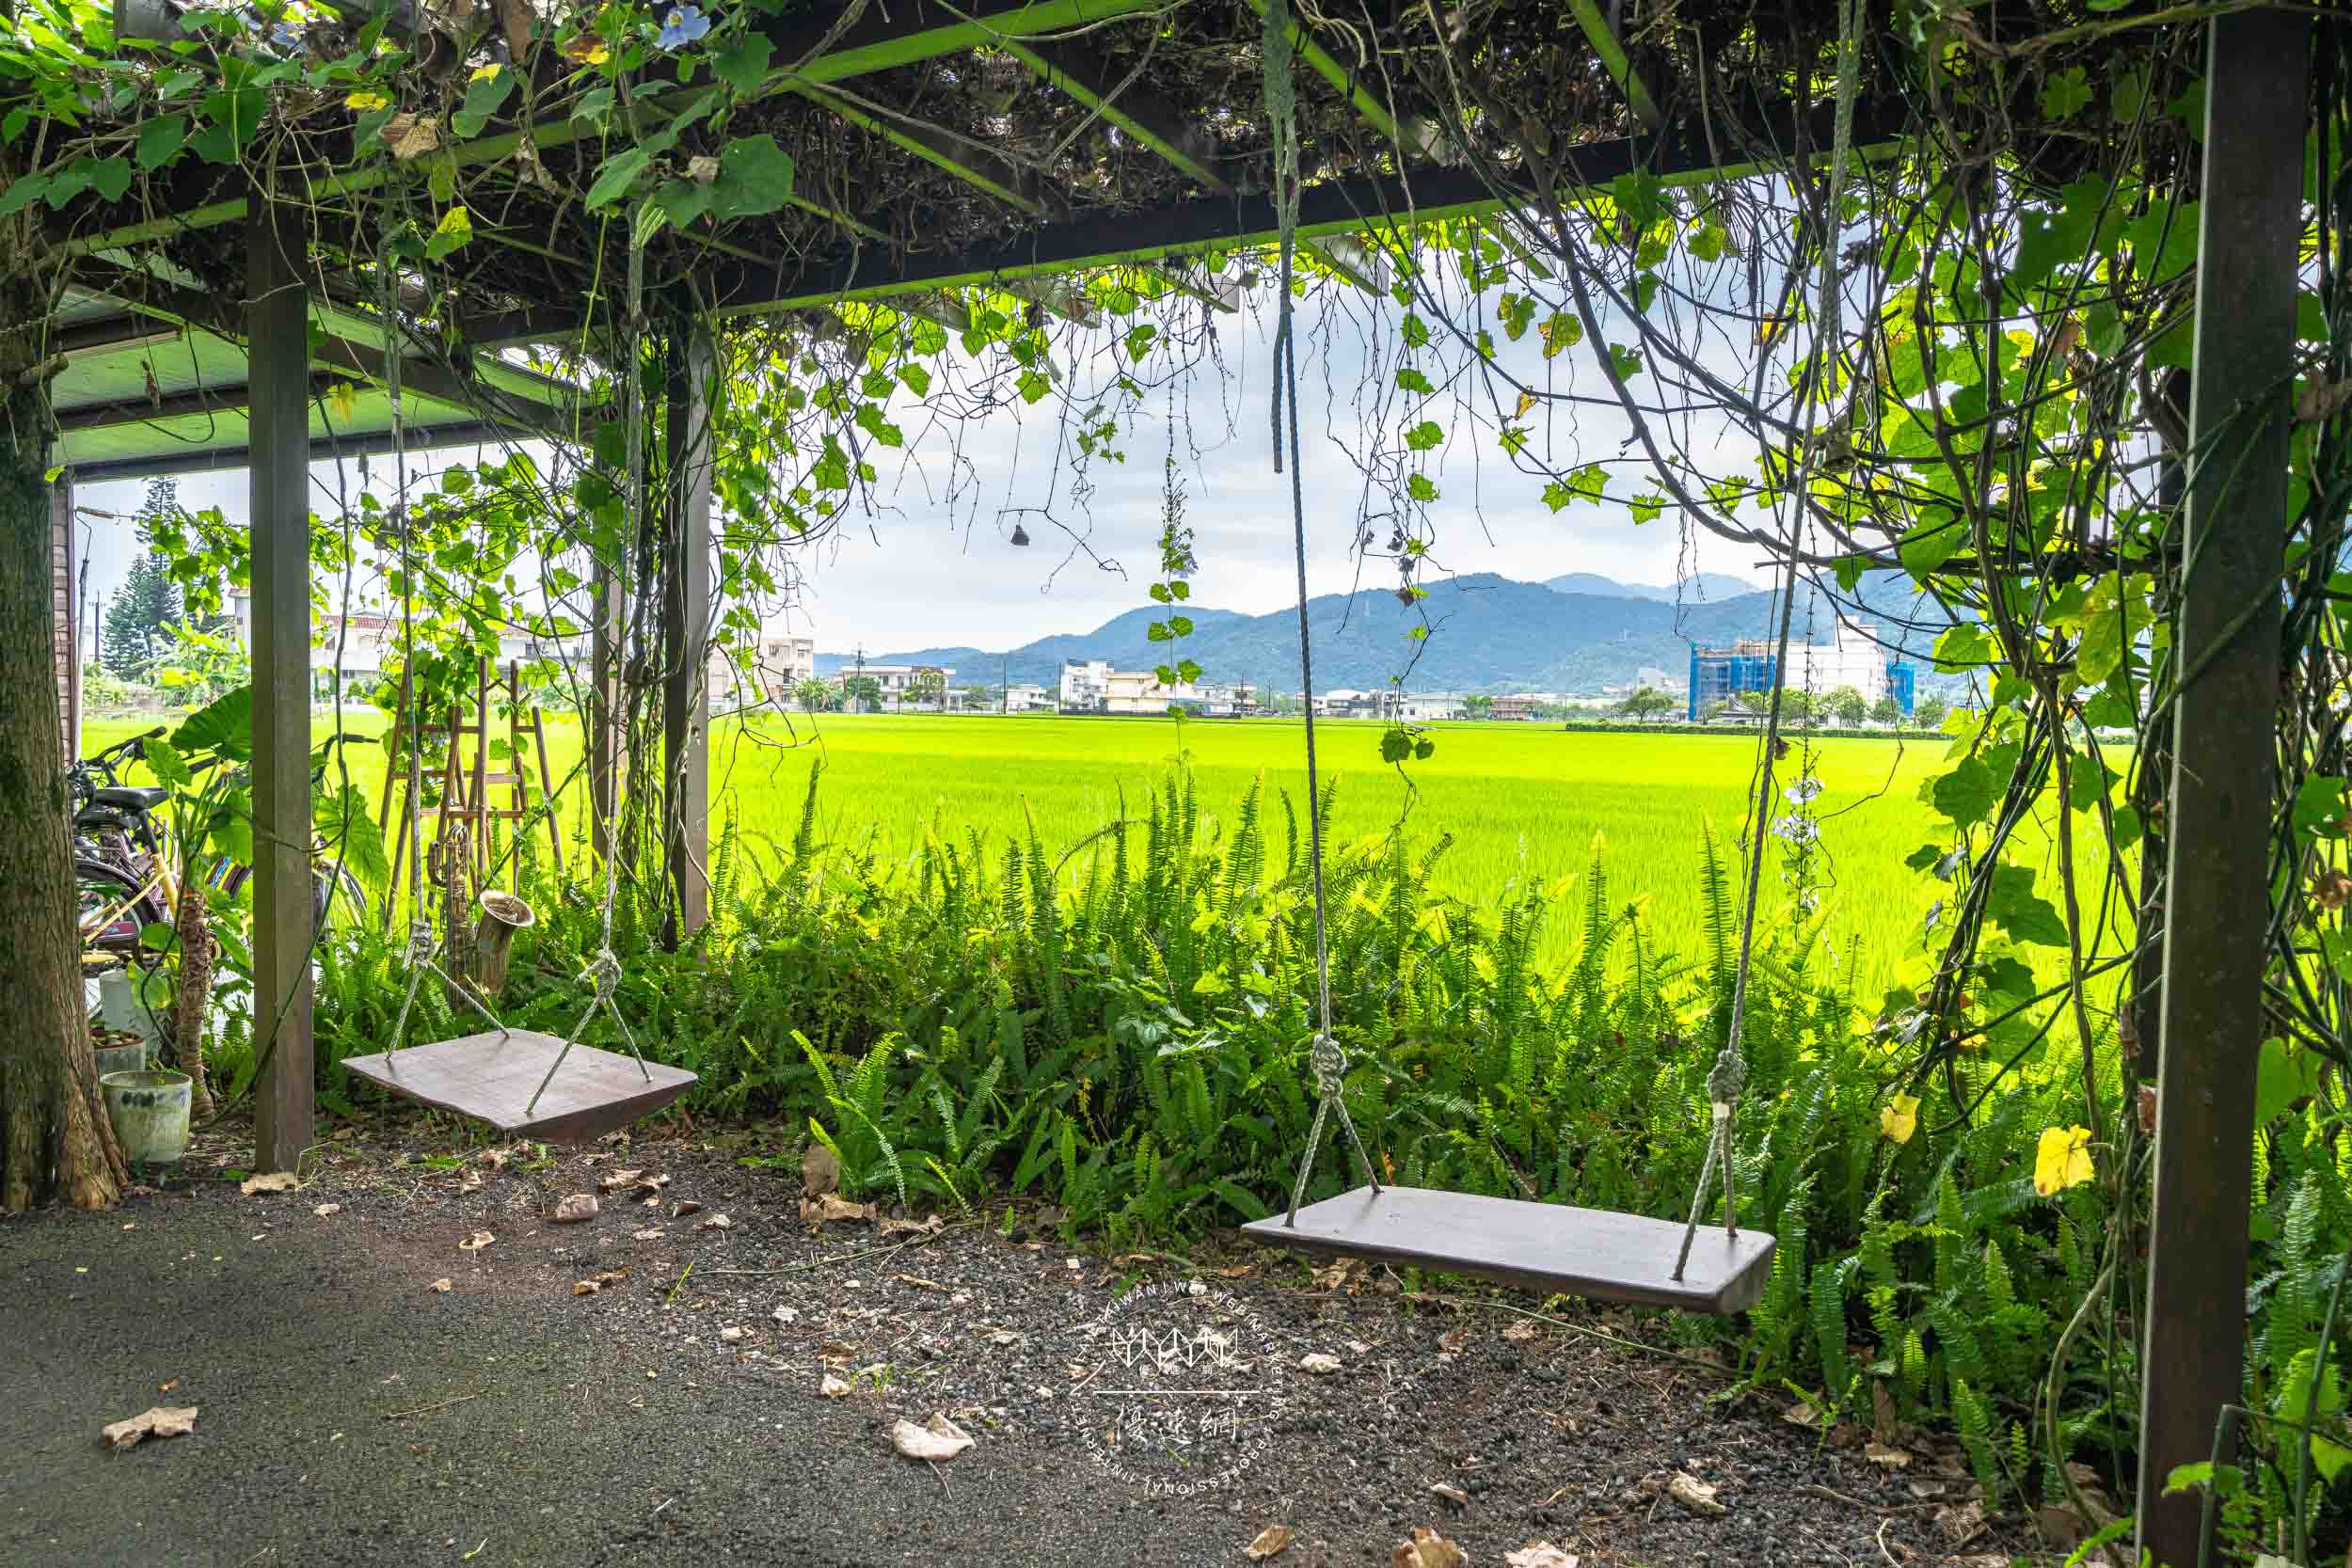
(686, 630)
(2217, 890)
(279, 354)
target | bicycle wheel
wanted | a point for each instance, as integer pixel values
(114, 908)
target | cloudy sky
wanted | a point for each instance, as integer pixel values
(932, 565)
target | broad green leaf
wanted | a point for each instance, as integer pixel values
(615, 177)
(161, 139)
(754, 179)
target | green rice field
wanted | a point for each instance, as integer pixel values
(1524, 802)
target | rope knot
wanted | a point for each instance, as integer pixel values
(604, 973)
(420, 942)
(1329, 1061)
(1728, 1076)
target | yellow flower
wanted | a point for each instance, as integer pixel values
(1900, 1118)
(344, 399)
(485, 72)
(2063, 1160)
(367, 103)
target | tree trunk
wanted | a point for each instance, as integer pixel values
(191, 1001)
(54, 1139)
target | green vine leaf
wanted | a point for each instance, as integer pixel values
(615, 175)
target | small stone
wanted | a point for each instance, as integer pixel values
(578, 1206)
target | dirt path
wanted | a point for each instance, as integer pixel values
(1124, 1409)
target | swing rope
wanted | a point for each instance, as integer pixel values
(1327, 1058)
(603, 973)
(1729, 1075)
(420, 940)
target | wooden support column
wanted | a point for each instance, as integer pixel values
(686, 629)
(2226, 649)
(279, 383)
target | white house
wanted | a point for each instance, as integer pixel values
(766, 672)
(1085, 685)
(1025, 697)
(901, 683)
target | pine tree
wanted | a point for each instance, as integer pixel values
(147, 602)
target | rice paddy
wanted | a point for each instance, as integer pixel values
(1524, 802)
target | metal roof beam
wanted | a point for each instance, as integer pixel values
(1615, 60)
(324, 449)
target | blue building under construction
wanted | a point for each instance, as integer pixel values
(1749, 666)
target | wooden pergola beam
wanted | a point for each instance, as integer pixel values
(694, 395)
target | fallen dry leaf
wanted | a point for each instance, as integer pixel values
(1886, 1454)
(614, 1181)
(684, 1207)
(836, 1349)
(935, 1439)
(576, 1208)
(918, 1281)
(411, 135)
(651, 1233)
(595, 1283)
(1319, 1362)
(167, 1388)
(271, 1181)
(1801, 1414)
(1453, 1341)
(440, 1285)
(2060, 1525)
(162, 1421)
(493, 1159)
(1539, 1554)
(1961, 1522)
(1694, 1493)
(833, 1388)
(1451, 1494)
(815, 1212)
(476, 1242)
(820, 1173)
(1333, 1276)
(1521, 1329)
(931, 1227)
(328, 1210)
(1426, 1549)
(1270, 1540)
(733, 1335)
(713, 1222)
(786, 1314)
(1239, 1271)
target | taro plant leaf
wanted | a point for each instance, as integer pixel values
(223, 726)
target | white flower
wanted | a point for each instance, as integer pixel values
(1802, 790)
(1799, 830)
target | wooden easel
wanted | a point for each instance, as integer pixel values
(466, 784)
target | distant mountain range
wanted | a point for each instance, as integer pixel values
(1575, 633)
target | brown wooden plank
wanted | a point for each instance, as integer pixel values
(1590, 1253)
(490, 1079)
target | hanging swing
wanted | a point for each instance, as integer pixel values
(507, 1078)
(1549, 1247)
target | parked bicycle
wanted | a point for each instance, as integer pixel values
(123, 858)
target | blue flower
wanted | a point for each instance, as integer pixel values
(286, 36)
(684, 25)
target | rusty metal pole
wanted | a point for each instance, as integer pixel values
(2226, 652)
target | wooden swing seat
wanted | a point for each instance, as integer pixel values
(491, 1078)
(1547, 1247)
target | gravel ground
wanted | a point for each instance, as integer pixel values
(729, 1392)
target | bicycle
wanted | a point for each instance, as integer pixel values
(122, 863)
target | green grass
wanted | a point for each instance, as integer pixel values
(1523, 801)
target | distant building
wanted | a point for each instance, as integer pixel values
(1856, 660)
(1521, 705)
(898, 683)
(1091, 685)
(1027, 698)
(1428, 707)
(765, 672)
(1085, 685)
